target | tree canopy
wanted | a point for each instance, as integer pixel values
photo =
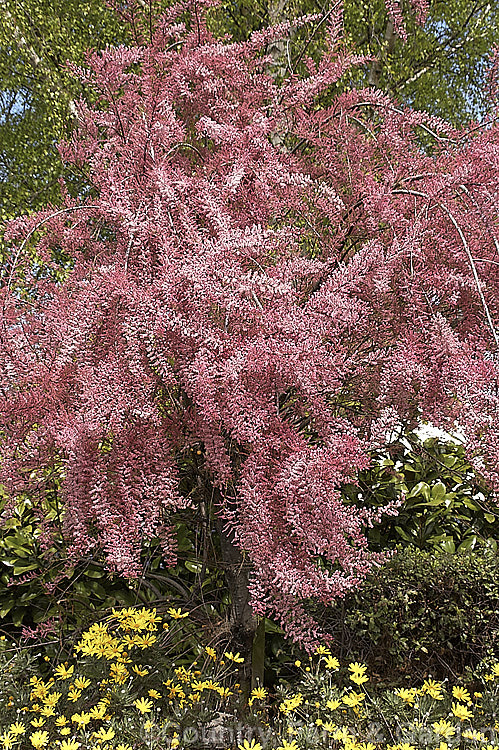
(37, 38)
(255, 291)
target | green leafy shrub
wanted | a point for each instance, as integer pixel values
(446, 505)
(423, 612)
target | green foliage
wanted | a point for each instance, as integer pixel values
(38, 583)
(423, 612)
(37, 38)
(440, 68)
(446, 505)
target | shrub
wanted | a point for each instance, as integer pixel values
(446, 504)
(422, 612)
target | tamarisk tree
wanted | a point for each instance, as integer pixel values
(258, 286)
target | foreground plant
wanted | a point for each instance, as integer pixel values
(261, 283)
(126, 682)
(122, 689)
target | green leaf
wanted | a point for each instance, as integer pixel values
(194, 567)
(448, 546)
(438, 493)
(401, 532)
(468, 543)
(469, 503)
(421, 488)
(93, 573)
(6, 607)
(21, 568)
(18, 616)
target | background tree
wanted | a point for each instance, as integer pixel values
(438, 66)
(37, 38)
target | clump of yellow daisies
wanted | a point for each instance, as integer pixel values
(123, 690)
(331, 705)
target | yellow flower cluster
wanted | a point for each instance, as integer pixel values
(61, 714)
(290, 704)
(442, 715)
(330, 706)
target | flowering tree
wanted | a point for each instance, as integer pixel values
(258, 288)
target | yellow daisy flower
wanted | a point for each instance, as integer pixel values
(408, 695)
(433, 689)
(357, 668)
(333, 704)
(461, 694)
(140, 670)
(81, 719)
(8, 740)
(39, 739)
(81, 683)
(103, 735)
(62, 672)
(69, 745)
(461, 711)
(236, 658)
(253, 745)
(144, 705)
(443, 728)
(285, 745)
(177, 614)
(352, 700)
(331, 662)
(17, 728)
(259, 693)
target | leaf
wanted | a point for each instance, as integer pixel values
(401, 532)
(6, 607)
(193, 567)
(468, 543)
(421, 488)
(93, 573)
(21, 568)
(18, 616)
(469, 503)
(448, 546)
(438, 492)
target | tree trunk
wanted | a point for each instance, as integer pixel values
(376, 67)
(243, 622)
